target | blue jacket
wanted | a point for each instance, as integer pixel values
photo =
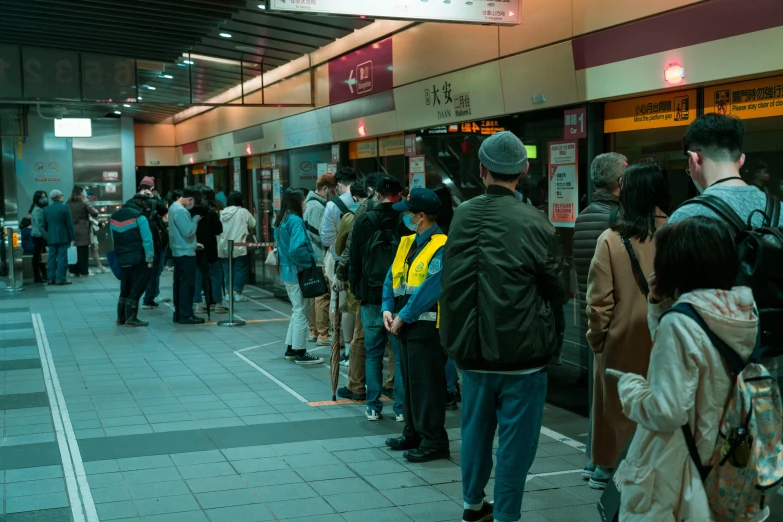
(293, 248)
(130, 231)
(58, 223)
(182, 231)
(427, 295)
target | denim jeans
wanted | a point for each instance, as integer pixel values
(57, 265)
(215, 272)
(153, 286)
(451, 376)
(184, 281)
(375, 338)
(298, 329)
(240, 273)
(514, 404)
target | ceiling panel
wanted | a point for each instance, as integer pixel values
(162, 35)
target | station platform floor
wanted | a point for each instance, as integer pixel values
(196, 423)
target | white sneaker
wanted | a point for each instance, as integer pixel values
(90, 273)
(312, 338)
(400, 417)
(239, 298)
(345, 363)
(104, 270)
(373, 415)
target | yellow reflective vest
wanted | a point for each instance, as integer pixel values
(406, 279)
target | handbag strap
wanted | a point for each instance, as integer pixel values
(641, 279)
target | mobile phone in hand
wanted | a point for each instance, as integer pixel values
(614, 374)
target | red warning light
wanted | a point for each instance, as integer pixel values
(362, 130)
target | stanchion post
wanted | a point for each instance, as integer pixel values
(231, 321)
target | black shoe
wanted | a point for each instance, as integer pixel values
(345, 393)
(422, 454)
(192, 320)
(402, 443)
(388, 392)
(121, 302)
(131, 314)
(451, 400)
(290, 354)
(485, 514)
(175, 317)
(306, 359)
(51, 282)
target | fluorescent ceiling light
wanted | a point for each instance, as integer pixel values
(189, 62)
(117, 112)
(126, 105)
(225, 35)
(150, 87)
(262, 6)
(166, 76)
(182, 65)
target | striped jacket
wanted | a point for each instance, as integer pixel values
(132, 237)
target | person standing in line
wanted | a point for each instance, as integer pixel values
(411, 312)
(207, 262)
(133, 245)
(376, 236)
(617, 307)
(58, 224)
(155, 210)
(498, 291)
(605, 173)
(338, 206)
(295, 254)
(238, 223)
(182, 239)
(315, 206)
(81, 210)
(40, 201)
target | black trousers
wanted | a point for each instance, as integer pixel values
(134, 281)
(422, 361)
(81, 266)
(39, 268)
(184, 285)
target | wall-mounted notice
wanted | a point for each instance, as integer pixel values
(416, 172)
(276, 189)
(209, 180)
(563, 183)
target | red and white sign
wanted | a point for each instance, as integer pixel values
(111, 189)
(336, 153)
(111, 175)
(410, 144)
(575, 124)
(276, 189)
(563, 183)
(365, 71)
(416, 172)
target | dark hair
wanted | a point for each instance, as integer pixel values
(208, 198)
(36, 198)
(173, 196)
(305, 191)
(76, 194)
(291, 204)
(696, 253)
(371, 182)
(716, 136)
(446, 212)
(359, 189)
(644, 191)
(191, 192)
(346, 176)
(26, 222)
(236, 199)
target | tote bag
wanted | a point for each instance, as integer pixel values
(312, 281)
(73, 256)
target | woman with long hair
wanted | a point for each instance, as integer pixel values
(207, 261)
(81, 210)
(295, 253)
(40, 200)
(617, 306)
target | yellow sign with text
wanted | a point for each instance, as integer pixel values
(746, 100)
(651, 112)
(391, 145)
(254, 162)
(363, 149)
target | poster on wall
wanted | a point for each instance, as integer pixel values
(416, 172)
(563, 183)
(237, 174)
(209, 180)
(276, 188)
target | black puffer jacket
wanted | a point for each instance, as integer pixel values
(500, 277)
(590, 224)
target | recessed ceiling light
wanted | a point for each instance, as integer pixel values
(189, 62)
(150, 87)
(117, 112)
(166, 76)
(126, 105)
(139, 98)
(262, 6)
(225, 35)
(182, 65)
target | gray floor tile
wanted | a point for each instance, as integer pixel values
(389, 514)
(149, 476)
(214, 469)
(285, 492)
(381, 467)
(255, 465)
(116, 510)
(105, 480)
(222, 483)
(406, 479)
(355, 501)
(314, 459)
(250, 513)
(35, 487)
(197, 457)
(572, 514)
(338, 471)
(36, 502)
(43, 472)
(165, 505)
(436, 512)
(540, 500)
(139, 463)
(250, 452)
(158, 489)
(112, 494)
(299, 508)
(190, 516)
(272, 478)
(417, 495)
(336, 487)
(361, 455)
(234, 497)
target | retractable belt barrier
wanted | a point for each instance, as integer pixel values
(254, 245)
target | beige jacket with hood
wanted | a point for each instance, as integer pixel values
(687, 382)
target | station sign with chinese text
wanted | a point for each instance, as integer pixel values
(497, 12)
(393, 145)
(364, 71)
(575, 123)
(651, 112)
(363, 149)
(563, 183)
(746, 100)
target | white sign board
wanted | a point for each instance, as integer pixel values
(500, 12)
(73, 128)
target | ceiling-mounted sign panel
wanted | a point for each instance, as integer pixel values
(501, 12)
(362, 72)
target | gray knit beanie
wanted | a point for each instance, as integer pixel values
(503, 153)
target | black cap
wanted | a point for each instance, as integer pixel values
(389, 184)
(420, 200)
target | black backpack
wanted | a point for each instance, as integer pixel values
(760, 251)
(378, 258)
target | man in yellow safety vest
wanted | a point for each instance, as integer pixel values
(410, 311)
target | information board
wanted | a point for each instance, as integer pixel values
(563, 183)
(672, 109)
(746, 100)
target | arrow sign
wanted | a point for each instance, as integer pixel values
(351, 81)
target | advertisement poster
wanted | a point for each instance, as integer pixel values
(276, 189)
(416, 172)
(331, 168)
(563, 183)
(209, 180)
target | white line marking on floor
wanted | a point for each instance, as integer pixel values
(271, 377)
(73, 466)
(559, 437)
(267, 306)
(258, 346)
(552, 473)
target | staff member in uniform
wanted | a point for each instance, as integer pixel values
(412, 291)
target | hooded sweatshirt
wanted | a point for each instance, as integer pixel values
(236, 224)
(687, 382)
(315, 206)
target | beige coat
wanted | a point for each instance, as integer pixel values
(687, 382)
(618, 334)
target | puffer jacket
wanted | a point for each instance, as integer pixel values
(497, 287)
(687, 381)
(590, 224)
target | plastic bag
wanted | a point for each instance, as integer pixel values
(73, 256)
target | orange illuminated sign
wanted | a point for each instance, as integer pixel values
(363, 149)
(672, 109)
(746, 100)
